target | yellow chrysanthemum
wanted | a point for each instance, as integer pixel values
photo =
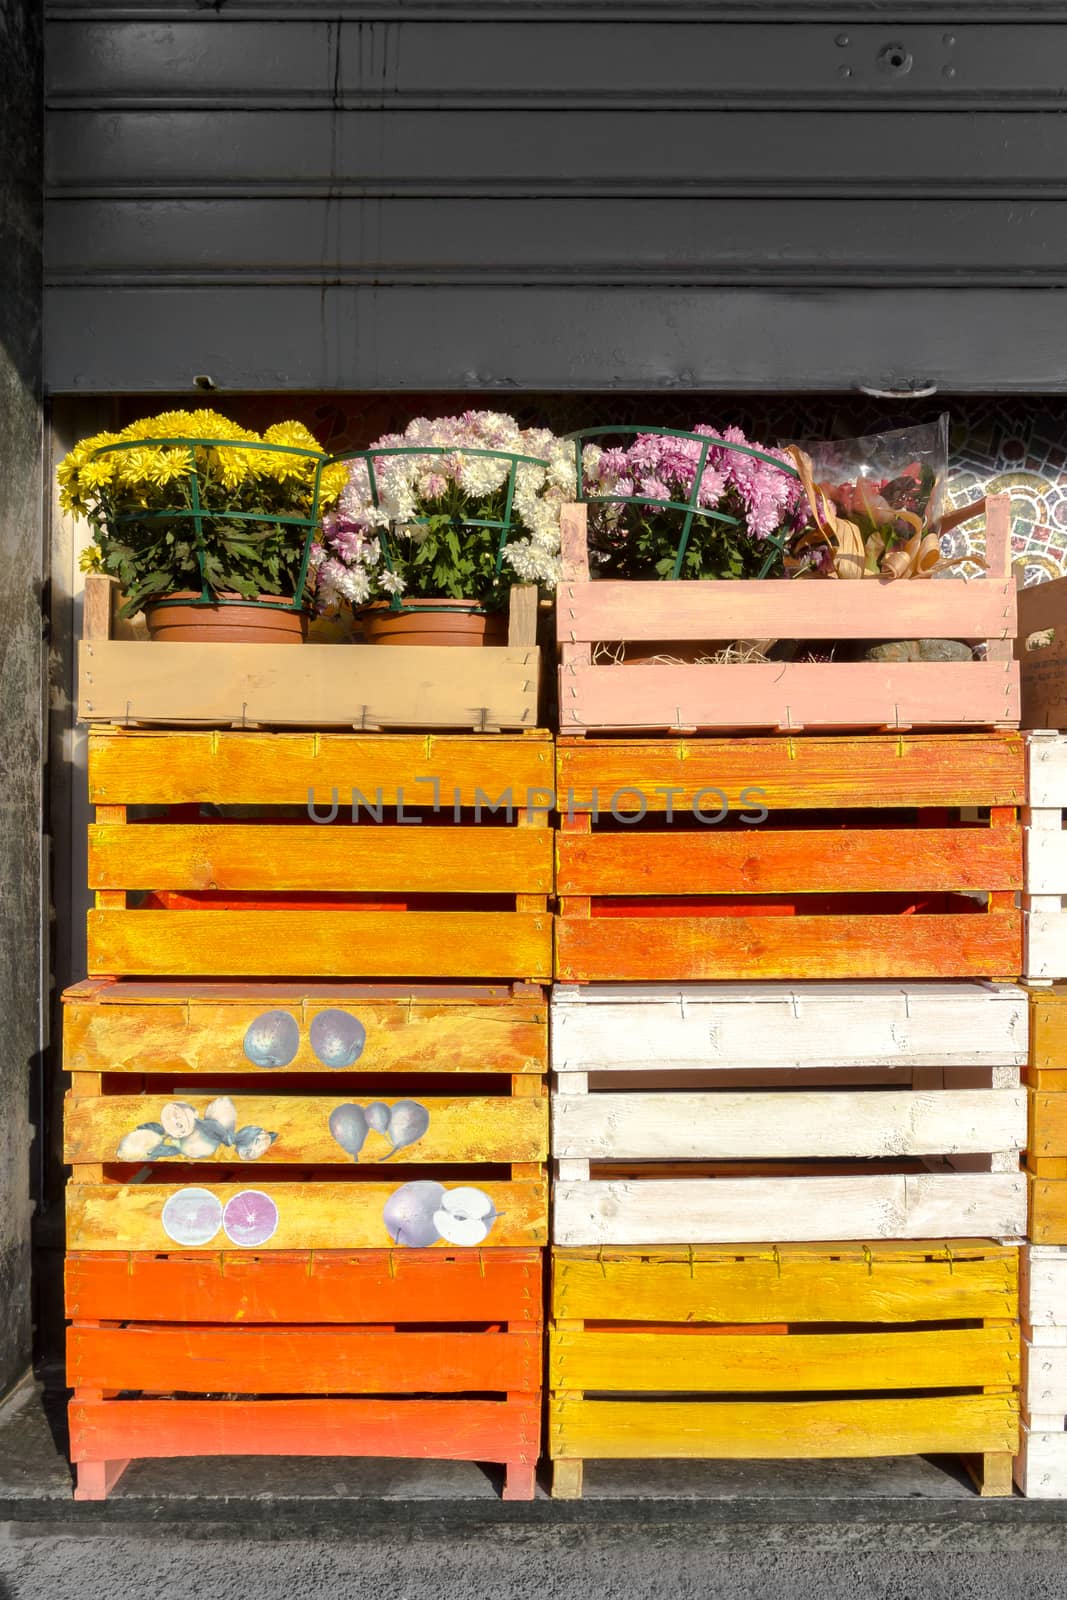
(334, 479)
(91, 559)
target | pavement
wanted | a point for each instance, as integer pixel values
(403, 1530)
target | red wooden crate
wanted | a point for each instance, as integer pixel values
(602, 695)
(408, 1353)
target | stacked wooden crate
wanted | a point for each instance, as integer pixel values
(787, 1114)
(308, 1113)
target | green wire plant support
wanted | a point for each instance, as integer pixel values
(503, 523)
(689, 508)
(198, 513)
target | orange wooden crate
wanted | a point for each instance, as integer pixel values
(289, 855)
(599, 694)
(863, 866)
(375, 1353)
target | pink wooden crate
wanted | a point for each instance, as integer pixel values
(603, 696)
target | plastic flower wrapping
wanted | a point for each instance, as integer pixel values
(155, 554)
(766, 505)
(414, 524)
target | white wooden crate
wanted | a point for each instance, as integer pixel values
(719, 1114)
(1041, 1466)
(1045, 859)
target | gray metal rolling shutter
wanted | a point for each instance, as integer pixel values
(577, 195)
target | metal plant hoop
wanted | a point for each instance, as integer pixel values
(504, 524)
(690, 508)
(198, 514)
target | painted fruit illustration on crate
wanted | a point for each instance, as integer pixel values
(422, 1212)
(337, 1038)
(402, 1124)
(272, 1040)
(181, 1131)
(192, 1217)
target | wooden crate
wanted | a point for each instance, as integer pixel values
(1046, 1153)
(596, 694)
(1043, 670)
(138, 1050)
(1045, 852)
(720, 1114)
(305, 1354)
(1041, 1466)
(256, 888)
(890, 1349)
(125, 679)
(869, 860)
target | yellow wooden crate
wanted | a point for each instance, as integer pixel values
(671, 1353)
(1046, 1080)
(290, 855)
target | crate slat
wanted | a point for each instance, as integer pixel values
(139, 767)
(874, 1282)
(447, 1430)
(824, 860)
(320, 943)
(836, 946)
(478, 688)
(189, 1028)
(755, 1363)
(322, 1215)
(767, 1125)
(301, 1360)
(612, 1027)
(323, 1287)
(231, 856)
(461, 1129)
(775, 1430)
(718, 1210)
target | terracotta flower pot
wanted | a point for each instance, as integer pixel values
(449, 622)
(239, 622)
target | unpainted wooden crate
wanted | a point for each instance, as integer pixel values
(890, 1349)
(1041, 649)
(1041, 1466)
(877, 856)
(716, 1114)
(214, 855)
(333, 1353)
(466, 1064)
(125, 678)
(597, 693)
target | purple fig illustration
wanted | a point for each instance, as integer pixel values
(378, 1116)
(272, 1040)
(178, 1119)
(408, 1213)
(408, 1122)
(337, 1038)
(253, 1142)
(192, 1217)
(250, 1219)
(465, 1216)
(349, 1127)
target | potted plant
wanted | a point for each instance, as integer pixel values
(435, 524)
(207, 526)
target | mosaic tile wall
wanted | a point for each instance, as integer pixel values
(1013, 446)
